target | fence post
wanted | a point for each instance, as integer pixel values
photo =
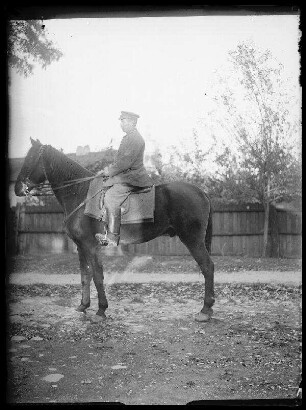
(21, 227)
(16, 226)
(274, 232)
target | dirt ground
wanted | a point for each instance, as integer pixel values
(150, 350)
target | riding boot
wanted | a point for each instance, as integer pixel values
(113, 234)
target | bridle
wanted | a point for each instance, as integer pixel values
(30, 172)
(64, 185)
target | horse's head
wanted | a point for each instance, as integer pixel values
(32, 172)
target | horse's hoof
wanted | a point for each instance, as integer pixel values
(203, 317)
(97, 319)
(101, 313)
(81, 308)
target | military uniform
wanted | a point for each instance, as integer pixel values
(126, 175)
(128, 167)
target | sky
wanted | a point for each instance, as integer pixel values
(158, 67)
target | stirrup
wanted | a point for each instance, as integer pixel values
(112, 239)
(101, 239)
(106, 241)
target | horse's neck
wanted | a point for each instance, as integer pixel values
(60, 169)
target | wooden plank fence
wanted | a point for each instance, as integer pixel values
(237, 230)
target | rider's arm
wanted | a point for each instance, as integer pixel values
(128, 151)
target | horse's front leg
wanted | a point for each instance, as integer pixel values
(98, 278)
(86, 276)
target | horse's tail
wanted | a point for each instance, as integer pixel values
(208, 235)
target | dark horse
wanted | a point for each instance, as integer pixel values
(181, 209)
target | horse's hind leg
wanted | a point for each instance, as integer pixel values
(201, 255)
(86, 276)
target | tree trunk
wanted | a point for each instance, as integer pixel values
(16, 226)
(266, 229)
(21, 227)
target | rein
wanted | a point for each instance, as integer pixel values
(80, 206)
(65, 183)
(76, 181)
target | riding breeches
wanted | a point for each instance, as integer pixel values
(116, 195)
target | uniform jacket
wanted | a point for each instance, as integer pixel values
(128, 166)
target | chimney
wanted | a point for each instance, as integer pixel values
(82, 150)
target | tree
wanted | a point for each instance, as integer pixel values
(159, 167)
(230, 183)
(194, 160)
(256, 107)
(28, 43)
(107, 157)
(187, 163)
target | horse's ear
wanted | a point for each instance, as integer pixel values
(35, 142)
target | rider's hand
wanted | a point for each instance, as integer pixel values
(105, 171)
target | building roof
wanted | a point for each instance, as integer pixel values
(15, 164)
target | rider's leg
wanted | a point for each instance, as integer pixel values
(114, 197)
(114, 221)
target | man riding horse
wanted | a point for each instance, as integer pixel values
(180, 209)
(124, 176)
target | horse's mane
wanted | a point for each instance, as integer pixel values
(64, 168)
(64, 165)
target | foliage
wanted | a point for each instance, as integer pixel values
(193, 162)
(158, 173)
(106, 159)
(260, 164)
(257, 107)
(247, 182)
(184, 163)
(28, 43)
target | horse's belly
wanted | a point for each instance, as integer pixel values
(139, 233)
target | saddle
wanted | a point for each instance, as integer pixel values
(137, 208)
